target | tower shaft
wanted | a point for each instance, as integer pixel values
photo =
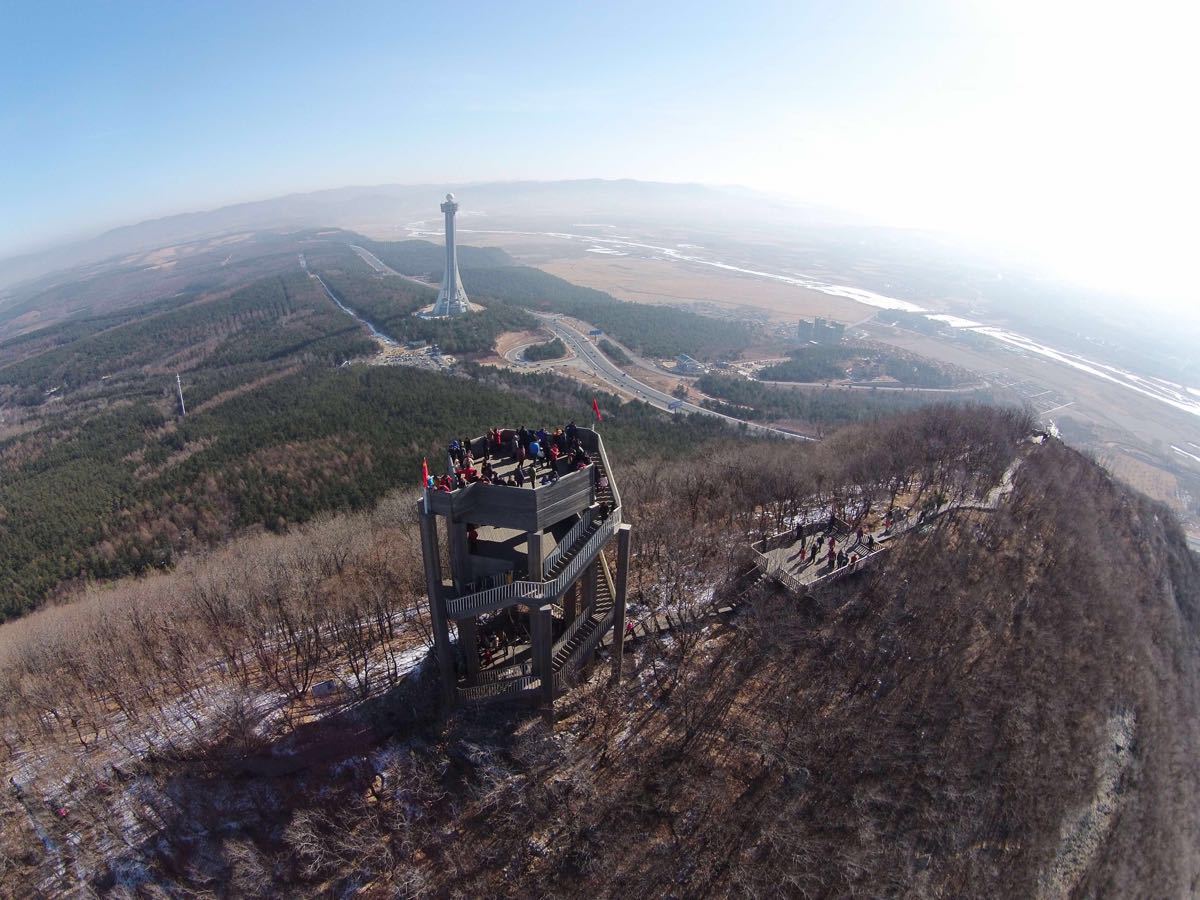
(452, 299)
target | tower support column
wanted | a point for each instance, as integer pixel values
(468, 644)
(542, 631)
(437, 613)
(460, 569)
(460, 563)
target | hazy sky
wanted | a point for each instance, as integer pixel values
(1066, 130)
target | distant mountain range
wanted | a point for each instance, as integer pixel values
(392, 205)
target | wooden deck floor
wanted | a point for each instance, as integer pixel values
(795, 557)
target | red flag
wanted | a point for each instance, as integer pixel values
(424, 473)
(596, 410)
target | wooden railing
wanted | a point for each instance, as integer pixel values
(598, 628)
(850, 568)
(779, 572)
(788, 536)
(514, 671)
(498, 688)
(612, 482)
(493, 598)
(586, 647)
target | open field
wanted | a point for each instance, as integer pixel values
(1149, 479)
(672, 284)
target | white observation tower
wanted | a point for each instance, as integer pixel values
(451, 299)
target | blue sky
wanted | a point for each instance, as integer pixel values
(954, 115)
(126, 110)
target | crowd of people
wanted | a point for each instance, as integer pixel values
(824, 546)
(541, 457)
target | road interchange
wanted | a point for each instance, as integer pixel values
(593, 358)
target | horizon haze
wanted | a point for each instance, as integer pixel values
(1047, 133)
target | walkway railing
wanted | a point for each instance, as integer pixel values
(585, 555)
(612, 482)
(516, 670)
(779, 572)
(498, 688)
(857, 566)
(902, 524)
(598, 628)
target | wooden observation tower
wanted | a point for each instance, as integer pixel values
(525, 579)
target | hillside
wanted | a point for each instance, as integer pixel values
(1006, 706)
(1009, 709)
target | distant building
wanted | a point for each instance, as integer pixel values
(820, 331)
(451, 299)
(685, 365)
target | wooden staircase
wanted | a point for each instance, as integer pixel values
(605, 495)
(605, 498)
(565, 560)
(596, 618)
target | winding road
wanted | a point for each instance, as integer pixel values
(605, 369)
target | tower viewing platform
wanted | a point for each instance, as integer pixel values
(526, 517)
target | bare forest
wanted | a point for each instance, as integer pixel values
(258, 720)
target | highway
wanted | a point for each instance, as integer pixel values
(608, 371)
(868, 386)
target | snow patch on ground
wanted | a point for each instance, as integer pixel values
(1191, 456)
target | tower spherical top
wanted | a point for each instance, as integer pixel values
(449, 198)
